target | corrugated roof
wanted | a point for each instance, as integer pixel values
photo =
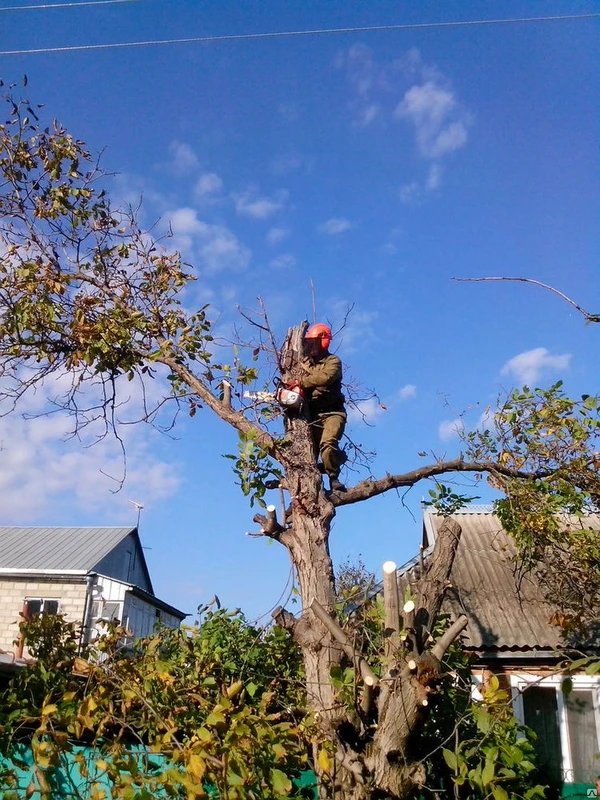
(506, 610)
(59, 549)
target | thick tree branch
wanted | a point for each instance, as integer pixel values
(370, 488)
(443, 643)
(588, 317)
(221, 408)
(434, 580)
(334, 629)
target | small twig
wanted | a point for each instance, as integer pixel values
(589, 317)
(313, 299)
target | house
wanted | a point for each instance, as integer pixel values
(510, 633)
(87, 574)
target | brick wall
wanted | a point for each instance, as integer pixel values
(14, 592)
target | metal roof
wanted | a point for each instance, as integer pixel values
(58, 550)
(506, 609)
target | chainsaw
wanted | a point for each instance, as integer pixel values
(288, 399)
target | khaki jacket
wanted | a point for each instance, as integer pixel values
(322, 383)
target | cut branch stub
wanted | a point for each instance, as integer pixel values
(392, 609)
(269, 524)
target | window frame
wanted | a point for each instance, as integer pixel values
(43, 600)
(519, 682)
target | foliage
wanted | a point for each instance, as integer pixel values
(446, 501)
(496, 757)
(254, 468)
(217, 705)
(554, 441)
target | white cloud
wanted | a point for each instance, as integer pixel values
(440, 126)
(409, 90)
(366, 411)
(368, 114)
(335, 226)
(284, 261)
(43, 468)
(410, 390)
(215, 246)
(528, 367)
(277, 235)
(434, 178)
(208, 184)
(416, 193)
(248, 204)
(450, 429)
(183, 158)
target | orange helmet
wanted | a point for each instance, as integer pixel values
(320, 331)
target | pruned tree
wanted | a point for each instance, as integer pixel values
(86, 295)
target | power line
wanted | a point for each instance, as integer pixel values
(66, 5)
(289, 34)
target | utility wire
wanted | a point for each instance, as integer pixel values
(65, 5)
(289, 34)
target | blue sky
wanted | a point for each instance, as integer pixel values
(377, 164)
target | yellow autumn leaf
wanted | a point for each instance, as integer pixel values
(196, 765)
(324, 760)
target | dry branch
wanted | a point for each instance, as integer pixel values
(588, 317)
(371, 488)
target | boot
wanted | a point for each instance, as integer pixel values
(336, 485)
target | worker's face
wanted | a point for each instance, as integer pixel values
(313, 348)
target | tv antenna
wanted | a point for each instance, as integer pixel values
(139, 507)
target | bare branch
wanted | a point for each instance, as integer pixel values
(226, 413)
(370, 488)
(446, 639)
(588, 317)
(345, 643)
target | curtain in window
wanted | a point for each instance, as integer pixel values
(583, 735)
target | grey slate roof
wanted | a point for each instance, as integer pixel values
(506, 611)
(57, 549)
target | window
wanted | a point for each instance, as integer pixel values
(567, 725)
(107, 611)
(36, 606)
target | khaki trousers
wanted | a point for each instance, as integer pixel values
(327, 430)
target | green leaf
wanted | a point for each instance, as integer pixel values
(280, 782)
(451, 759)
(487, 776)
(500, 793)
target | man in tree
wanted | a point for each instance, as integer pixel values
(321, 381)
